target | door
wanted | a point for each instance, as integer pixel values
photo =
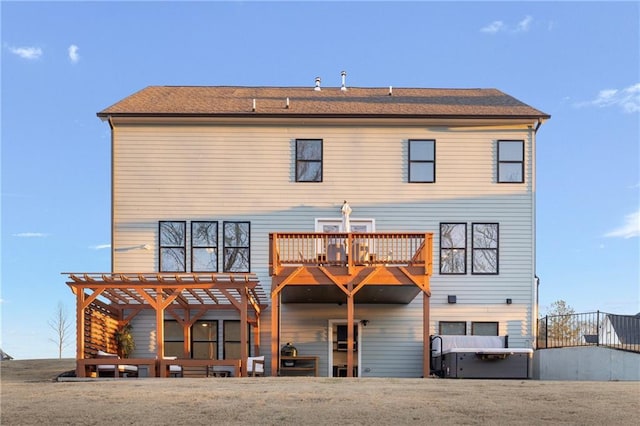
(337, 333)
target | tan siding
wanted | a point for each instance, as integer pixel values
(247, 173)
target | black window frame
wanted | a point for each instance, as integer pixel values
(166, 248)
(441, 323)
(195, 341)
(475, 249)
(474, 323)
(412, 161)
(167, 339)
(195, 247)
(506, 162)
(228, 248)
(225, 340)
(453, 249)
(301, 161)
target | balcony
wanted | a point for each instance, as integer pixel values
(328, 267)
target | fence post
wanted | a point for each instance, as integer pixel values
(546, 331)
(598, 327)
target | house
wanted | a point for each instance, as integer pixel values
(5, 356)
(229, 237)
(620, 331)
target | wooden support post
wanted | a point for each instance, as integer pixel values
(80, 368)
(275, 332)
(159, 307)
(350, 309)
(244, 341)
(426, 367)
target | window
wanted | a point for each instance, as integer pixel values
(422, 161)
(485, 248)
(232, 341)
(308, 160)
(453, 328)
(484, 328)
(204, 340)
(453, 248)
(173, 246)
(511, 161)
(236, 247)
(173, 339)
(204, 246)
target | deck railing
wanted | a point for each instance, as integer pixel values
(349, 249)
(590, 329)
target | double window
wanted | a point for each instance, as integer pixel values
(459, 328)
(422, 161)
(510, 161)
(484, 248)
(204, 246)
(308, 160)
(204, 339)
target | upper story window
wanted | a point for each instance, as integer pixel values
(237, 240)
(422, 161)
(204, 246)
(484, 328)
(453, 248)
(173, 246)
(453, 328)
(308, 160)
(510, 161)
(484, 248)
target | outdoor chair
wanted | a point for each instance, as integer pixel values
(255, 366)
(122, 370)
(174, 370)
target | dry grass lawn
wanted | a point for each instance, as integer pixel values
(30, 396)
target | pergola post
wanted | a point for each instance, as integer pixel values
(80, 368)
(159, 307)
(244, 346)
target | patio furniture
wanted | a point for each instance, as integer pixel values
(174, 370)
(121, 370)
(255, 366)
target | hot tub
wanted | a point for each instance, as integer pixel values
(479, 357)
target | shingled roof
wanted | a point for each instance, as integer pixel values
(328, 102)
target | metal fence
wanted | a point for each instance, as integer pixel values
(590, 329)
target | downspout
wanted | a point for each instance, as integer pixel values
(534, 289)
(113, 138)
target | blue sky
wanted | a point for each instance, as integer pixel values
(63, 62)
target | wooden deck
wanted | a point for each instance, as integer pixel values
(345, 268)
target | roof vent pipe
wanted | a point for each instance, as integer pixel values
(390, 90)
(254, 105)
(317, 88)
(344, 78)
(287, 103)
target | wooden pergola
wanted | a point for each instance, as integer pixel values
(349, 268)
(187, 297)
